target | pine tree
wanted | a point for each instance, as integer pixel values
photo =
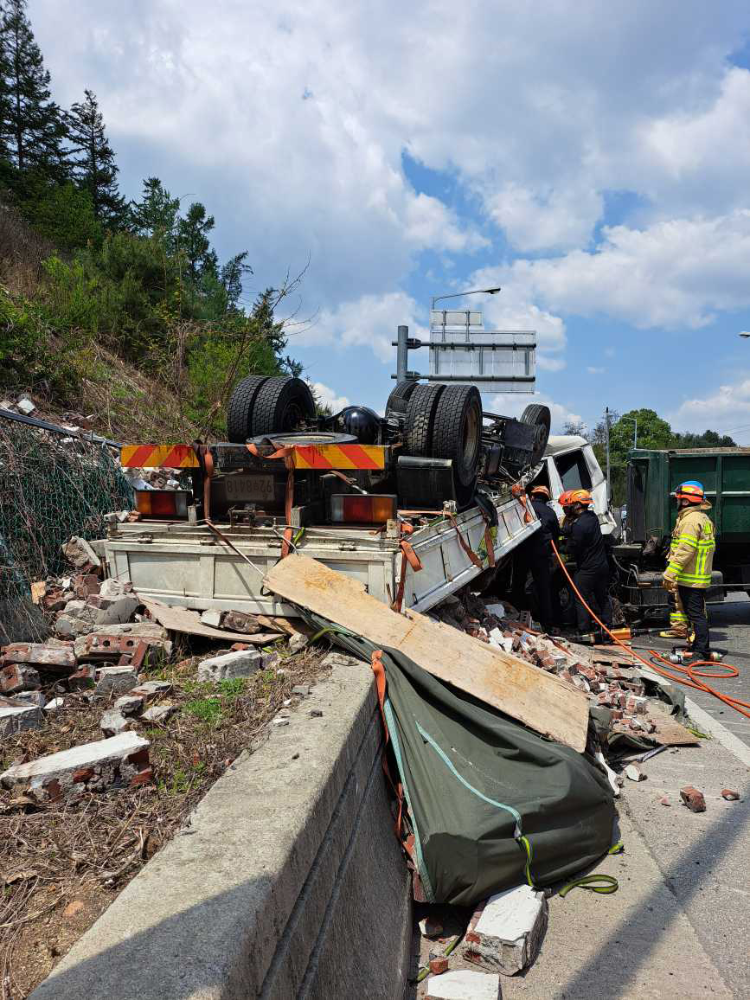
(32, 126)
(4, 92)
(156, 214)
(193, 230)
(93, 162)
(231, 278)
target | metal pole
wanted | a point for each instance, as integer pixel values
(635, 435)
(606, 432)
(402, 353)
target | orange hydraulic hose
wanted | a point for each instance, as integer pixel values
(690, 674)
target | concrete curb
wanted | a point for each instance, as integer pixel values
(286, 882)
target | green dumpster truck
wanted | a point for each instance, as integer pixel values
(653, 477)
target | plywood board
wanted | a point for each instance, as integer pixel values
(182, 620)
(538, 699)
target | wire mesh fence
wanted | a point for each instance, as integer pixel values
(52, 486)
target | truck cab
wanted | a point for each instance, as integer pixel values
(569, 463)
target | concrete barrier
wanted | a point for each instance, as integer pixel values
(287, 881)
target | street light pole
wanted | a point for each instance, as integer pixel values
(633, 420)
(469, 291)
(606, 440)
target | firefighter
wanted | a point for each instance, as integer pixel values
(691, 555)
(586, 547)
(540, 558)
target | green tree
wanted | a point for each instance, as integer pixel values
(32, 127)
(156, 214)
(61, 212)
(232, 274)
(193, 232)
(92, 161)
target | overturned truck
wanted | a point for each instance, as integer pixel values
(415, 504)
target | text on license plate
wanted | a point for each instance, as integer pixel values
(249, 487)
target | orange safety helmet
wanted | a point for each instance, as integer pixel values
(692, 491)
(578, 496)
(541, 491)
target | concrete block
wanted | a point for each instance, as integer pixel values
(18, 677)
(25, 406)
(54, 705)
(13, 720)
(297, 642)
(464, 985)
(129, 704)
(212, 617)
(113, 610)
(303, 690)
(35, 698)
(150, 690)
(158, 713)
(153, 634)
(114, 588)
(112, 723)
(79, 553)
(115, 680)
(243, 663)
(104, 764)
(506, 931)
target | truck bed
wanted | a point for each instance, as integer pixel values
(188, 566)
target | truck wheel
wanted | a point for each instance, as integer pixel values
(539, 416)
(399, 397)
(240, 408)
(457, 431)
(420, 418)
(282, 404)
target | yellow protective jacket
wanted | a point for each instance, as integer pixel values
(691, 554)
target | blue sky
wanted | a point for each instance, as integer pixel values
(592, 159)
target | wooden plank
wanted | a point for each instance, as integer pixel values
(182, 620)
(538, 699)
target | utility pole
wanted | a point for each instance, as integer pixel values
(606, 445)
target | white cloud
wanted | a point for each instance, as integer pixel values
(513, 405)
(593, 370)
(370, 321)
(727, 410)
(328, 397)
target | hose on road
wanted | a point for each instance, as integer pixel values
(689, 675)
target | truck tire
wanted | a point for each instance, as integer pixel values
(240, 408)
(420, 418)
(457, 431)
(399, 397)
(539, 416)
(283, 404)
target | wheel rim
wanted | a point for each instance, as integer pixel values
(470, 443)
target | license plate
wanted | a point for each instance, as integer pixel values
(249, 488)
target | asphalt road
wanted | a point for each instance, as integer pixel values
(729, 624)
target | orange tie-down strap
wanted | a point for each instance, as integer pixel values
(284, 455)
(518, 492)
(404, 837)
(410, 557)
(158, 456)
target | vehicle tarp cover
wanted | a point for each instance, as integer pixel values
(475, 780)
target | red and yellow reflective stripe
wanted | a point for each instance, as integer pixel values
(158, 456)
(338, 456)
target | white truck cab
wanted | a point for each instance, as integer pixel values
(570, 464)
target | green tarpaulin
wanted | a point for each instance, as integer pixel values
(476, 782)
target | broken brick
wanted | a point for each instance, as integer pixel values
(730, 795)
(438, 966)
(144, 777)
(51, 658)
(506, 931)
(18, 677)
(693, 799)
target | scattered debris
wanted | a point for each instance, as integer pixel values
(438, 966)
(506, 932)
(18, 677)
(115, 680)
(158, 713)
(15, 718)
(462, 984)
(634, 772)
(316, 713)
(110, 763)
(280, 721)
(112, 723)
(80, 554)
(730, 795)
(303, 690)
(430, 928)
(182, 620)
(693, 799)
(665, 800)
(297, 642)
(25, 406)
(51, 657)
(242, 663)
(212, 618)
(54, 705)
(240, 621)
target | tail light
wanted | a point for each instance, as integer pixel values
(162, 503)
(351, 508)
